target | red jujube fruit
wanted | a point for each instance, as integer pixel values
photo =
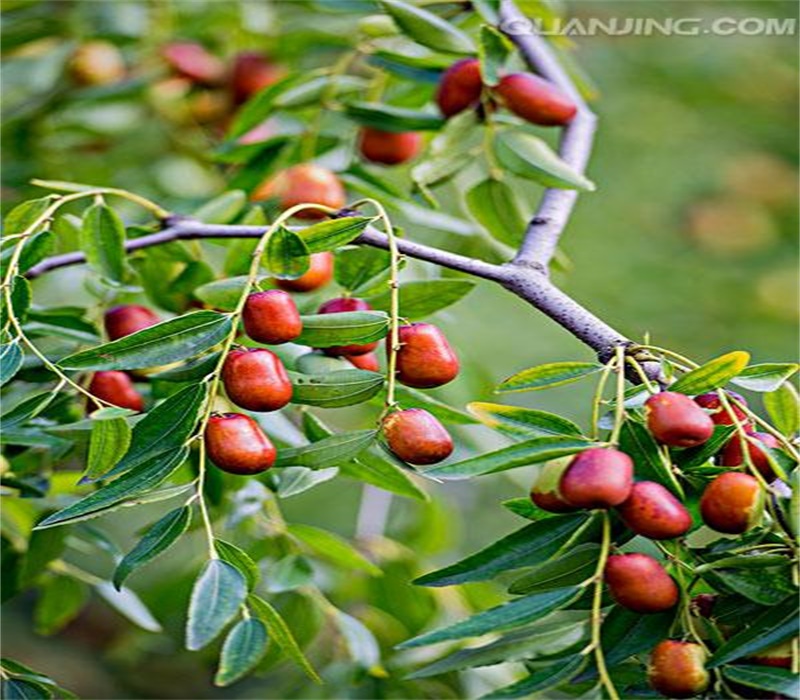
(319, 273)
(675, 420)
(271, 317)
(599, 477)
(425, 359)
(344, 305)
(388, 147)
(732, 503)
(368, 361)
(535, 99)
(251, 73)
(237, 445)
(128, 318)
(639, 582)
(416, 437)
(115, 388)
(718, 413)
(460, 87)
(306, 183)
(256, 380)
(678, 669)
(732, 454)
(545, 493)
(652, 511)
(193, 61)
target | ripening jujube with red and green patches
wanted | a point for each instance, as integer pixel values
(367, 361)
(460, 87)
(677, 669)
(417, 437)
(535, 100)
(777, 656)
(319, 273)
(123, 320)
(545, 493)
(252, 72)
(732, 503)
(97, 63)
(237, 445)
(388, 147)
(256, 379)
(652, 511)
(116, 388)
(344, 305)
(640, 583)
(425, 359)
(732, 455)
(271, 317)
(599, 477)
(306, 183)
(675, 420)
(193, 61)
(719, 414)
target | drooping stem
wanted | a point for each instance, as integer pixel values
(619, 404)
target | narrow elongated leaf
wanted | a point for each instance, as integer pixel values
(109, 442)
(158, 538)
(540, 680)
(193, 371)
(546, 376)
(60, 600)
(712, 375)
(27, 409)
(169, 341)
(217, 595)
(697, 456)
(372, 468)
(17, 689)
(635, 440)
(10, 361)
(223, 209)
(521, 611)
(522, 454)
(332, 547)
(24, 215)
(139, 480)
(330, 235)
(521, 421)
(529, 156)
(103, 241)
(222, 294)
(783, 407)
(128, 604)
(286, 255)
(765, 586)
(244, 647)
(390, 118)
(532, 544)
(414, 398)
(764, 678)
(34, 250)
(765, 377)
(493, 205)
(361, 644)
(240, 560)
(492, 51)
(20, 301)
(625, 633)
(329, 452)
(334, 389)
(280, 632)
(420, 299)
(358, 267)
(325, 330)
(296, 480)
(428, 29)
(572, 568)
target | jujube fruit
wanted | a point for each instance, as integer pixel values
(718, 413)
(251, 73)
(271, 317)
(193, 61)
(535, 99)
(319, 273)
(776, 656)
(367, 361)
(344, 305)
(732, 454)
(306, 183)
(675, 420)
(416, 437)
(256, 379)
(652, 511)
(545, 492)
(460, 87)
(678, 669)
(425, 359)
(97, 63)
(115, 388)
(236, 444)
(639, 582)
(599, 477)
(732, 503)
(129, 318)
(388, 147)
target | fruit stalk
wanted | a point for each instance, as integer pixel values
(597, 610)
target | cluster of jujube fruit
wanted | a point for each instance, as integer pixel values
(732, 503)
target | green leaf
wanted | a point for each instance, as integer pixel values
(772, 680)
(540, 679)
(218, 593)
(361, 644)
(27, 409)
(356, 268)
(347, 328)
(244, 647)
(530, 157)
(10, 361)
(295, 480)
(492, 52)
(712, 375)
(15, 689)
(648, 459)
(493, 205)
(330, 235)
(34, 250)
(525, 508)
(192, 371)
(158, 538)
(625, 633)
(143, 478)
(521, 454)
(289, 573)
(390, 118)
(774, 625)
(169, 341)
(20, 301)
(334, 389)
(164, 429)
(222, 209)
(60, 600)
(521, 611)
(697, 456)
(286, 255)
(521, 421)
(413, 398)
(128, 604)
(109, 441)
(103, 241)
(280, 632)
(572, 568)
(43, 547)
(783, 407)
(333, 548)
(222, 294)
(313, 90)
(24, 215)
(765, 586)
(330, 452)
(530, 545)
(428, 29)
(422, 298)
(547, 376)
(765, 377)
(240, 560)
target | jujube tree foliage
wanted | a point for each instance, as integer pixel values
(658, 545)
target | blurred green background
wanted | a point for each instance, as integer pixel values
(691, 238)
